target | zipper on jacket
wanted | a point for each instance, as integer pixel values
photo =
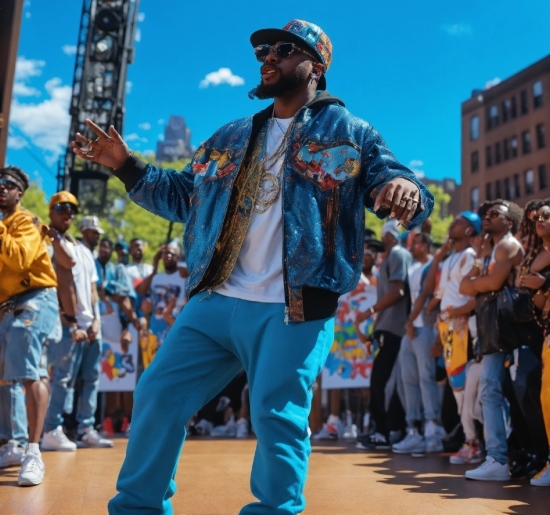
(332, 218)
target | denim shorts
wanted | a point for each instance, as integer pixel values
(23, 332)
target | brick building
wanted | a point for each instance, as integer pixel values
(505, 148)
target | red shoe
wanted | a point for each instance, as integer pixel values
(108, 428)
(125, 424)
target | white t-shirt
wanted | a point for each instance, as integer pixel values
(258, 272)
(453, 270)
(84, 275)
(138, 272)
(415, 285)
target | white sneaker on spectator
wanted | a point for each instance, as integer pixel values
(434, 434)
(56, 440)
(32, 470)
(203, 427)
(242, 428)
(331, 430)
(350, 432)
(489, 470)
(228, 430)
(91, 438)
(468, 453)
(11, 454)
(543, 477)
(413, 443)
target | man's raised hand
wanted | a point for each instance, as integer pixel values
(402, 197)
(107, 149)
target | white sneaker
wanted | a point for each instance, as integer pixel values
(11, 454)
(227, 430)
(203, 427)
(56, 440)
(350, 432)
(413, 443)
(91, 438)
(489, 470)
(32, 470)
(543, 477)
(434, 434)
(242, 428)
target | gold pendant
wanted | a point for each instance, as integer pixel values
(268, 189)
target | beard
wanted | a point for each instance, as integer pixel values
(292, 81)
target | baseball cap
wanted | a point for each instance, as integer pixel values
(62, 197)
(122, 245)
(91, 222)
(304, 34)
(391, 227)
(473, 218)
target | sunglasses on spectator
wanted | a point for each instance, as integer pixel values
(9, 185)
(282, 51)
(493, 213)
(65, 207)
(544, 217)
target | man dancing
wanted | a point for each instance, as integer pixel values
(274, 212)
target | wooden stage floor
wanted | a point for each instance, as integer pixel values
(213, 480)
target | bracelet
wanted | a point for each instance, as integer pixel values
(73, 329)
(478, 263)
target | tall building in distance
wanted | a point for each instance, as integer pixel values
(505, 148)
(177, 141)
(449, 186)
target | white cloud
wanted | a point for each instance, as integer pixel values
(145, 126)
(138, 35)
(458, 29)
(26, 68)
(129, 85)
(415, 165)
(160, 137)
(493, 82)
(222, 76)
(141, 17)
(135, 137)
(27, 14)
(69, 49)
(22, 90)
(16, 142)
(160, 121)
(46, 123)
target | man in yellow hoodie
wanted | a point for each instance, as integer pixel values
(28, 309)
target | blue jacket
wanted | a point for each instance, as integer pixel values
(334, 167)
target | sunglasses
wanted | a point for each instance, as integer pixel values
(9, 185)
(493, 213)
(544, 217)
(282, 51)
(65, 207)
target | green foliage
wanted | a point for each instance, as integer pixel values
(35, 201)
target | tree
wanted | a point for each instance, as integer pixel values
(35, 201)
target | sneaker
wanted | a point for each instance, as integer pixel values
(242, 428)
(328, 432)
(350, 432)
(91, 438)
(395, 436)
(56, 440)
(227, 430)
(124, 426)
(543, 477)
(32, 470)
(203, 427)
(11, 454)
(489, 470)
(469, 453)
(366, 422)
(108, 427)
(413, 443)
(375, 441)
(434, 434)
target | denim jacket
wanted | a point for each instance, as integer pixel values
(334, 167)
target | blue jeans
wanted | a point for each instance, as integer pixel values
(494, 405)
(68, 359)
(211, 340)
(23, 332)
(418, 375)
(13, 413)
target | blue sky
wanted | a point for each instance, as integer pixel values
(404, 66)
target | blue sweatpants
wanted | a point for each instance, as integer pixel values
(210, 341)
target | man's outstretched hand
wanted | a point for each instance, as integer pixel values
(107, 149)
(401, 197)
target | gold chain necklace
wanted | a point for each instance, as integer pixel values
(270, 185)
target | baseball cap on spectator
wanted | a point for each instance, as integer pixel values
(122, 246)
(64, 197)
(90, 222)
(474, 219)
(391, 227)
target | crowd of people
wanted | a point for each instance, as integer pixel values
(468, 317)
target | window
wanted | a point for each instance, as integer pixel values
(492, 117)
(498, 189)
(514, 146)
(474, 128)
(537, 94)
(475, 161)
(474, 199)
(508, 192)
(506, 105)
(540, 136)
(497, 153)
(488, 191)
(517, 187)
(543, 180)
(524, 103)
(526, 142)
(488, 159)
(513, 110)
(506, 148)
(529, 182)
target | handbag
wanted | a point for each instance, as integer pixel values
(515, 305)
(487, 322)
